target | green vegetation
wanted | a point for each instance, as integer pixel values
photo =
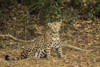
(51, 10)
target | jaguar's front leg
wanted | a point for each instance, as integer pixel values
(59, 49)
(48, 50)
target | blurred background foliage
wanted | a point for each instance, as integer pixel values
(51, 10)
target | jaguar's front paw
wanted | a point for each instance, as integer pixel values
(63, 56)
(49, 57)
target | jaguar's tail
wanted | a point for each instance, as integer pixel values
(12, 59)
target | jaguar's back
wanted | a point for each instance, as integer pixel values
(43, 44)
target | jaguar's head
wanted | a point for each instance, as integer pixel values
(55, 26)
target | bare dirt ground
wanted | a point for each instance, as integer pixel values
(84, 34)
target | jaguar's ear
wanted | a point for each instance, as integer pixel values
(49, 24)
(60, 21)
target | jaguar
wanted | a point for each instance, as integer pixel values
(42, 45)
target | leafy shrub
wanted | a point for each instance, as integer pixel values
(48, 9)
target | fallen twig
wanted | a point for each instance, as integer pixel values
(8, 35)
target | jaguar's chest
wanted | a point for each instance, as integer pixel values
(55, 40)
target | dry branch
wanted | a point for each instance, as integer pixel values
(16, 39)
